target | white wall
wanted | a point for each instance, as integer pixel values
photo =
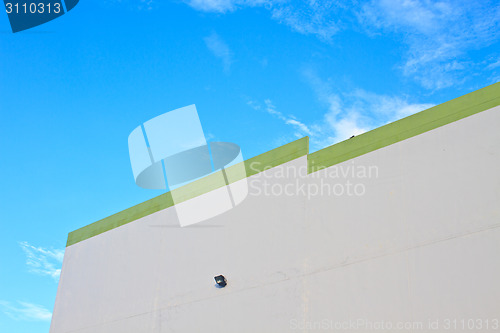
(422, 243)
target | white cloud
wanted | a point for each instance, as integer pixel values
(345, 114)
(494, 64)
(341, 128)
(438, 35)
(300, 129)
(135, 5)
(25, 311)
(318, 18)
(221, 6)
(220, 50)
(254, 105)
(410, 15)
(43, 261)
(217, 6)
(356, 112)
(385, 108)
(145, 5)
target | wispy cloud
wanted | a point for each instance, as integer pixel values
(145, 5)
(357, 111)
(220, 49)
(493, 65)
(43, 261)
(300, 128)
(320, 18)
(134, 5)
(25, 311)
(221, 6)
(438, 35)
(345, 113)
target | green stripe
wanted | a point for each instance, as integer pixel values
(254, 165)
(125, 216)
(213, 181)
(400, 130)
(456, 109)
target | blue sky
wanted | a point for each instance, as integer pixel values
(261, 73)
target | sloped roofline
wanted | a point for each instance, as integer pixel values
(424, 121)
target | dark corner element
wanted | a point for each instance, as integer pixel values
(26, 14)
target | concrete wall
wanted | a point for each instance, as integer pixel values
(415, 243)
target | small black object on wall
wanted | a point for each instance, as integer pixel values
(221, 281)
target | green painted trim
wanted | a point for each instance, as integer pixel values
(125, 216)
(213, 181)
(389, 134)
(277, 156)
(252, 166)
(437, 116)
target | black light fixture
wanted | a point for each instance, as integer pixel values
(221, 281)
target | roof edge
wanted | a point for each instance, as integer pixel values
(254, 165)
(421, 122)
(418, 123)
